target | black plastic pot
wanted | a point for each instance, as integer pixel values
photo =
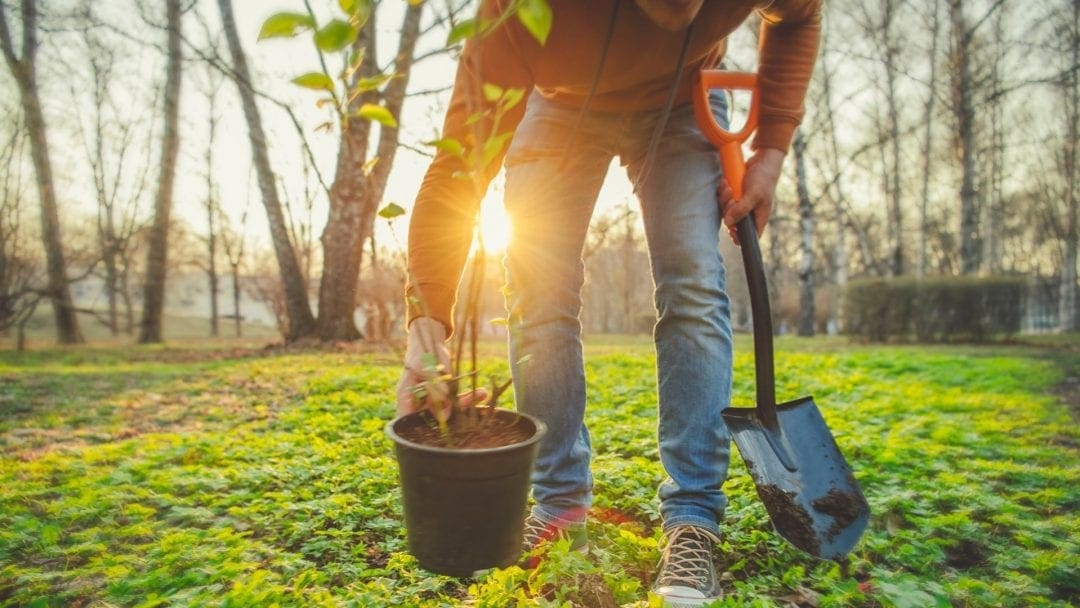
(465, 508)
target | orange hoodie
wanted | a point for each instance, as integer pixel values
(637, 75)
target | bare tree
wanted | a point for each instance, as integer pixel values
(927, 148)
(20, 273)
(212, 204)
(157, 253)
(964, 92)
(297, 309)
(109, 140)
(806, 230)
(880, 26)
(1068, 34)
(24, 69)
(233, 242)
(993, 151)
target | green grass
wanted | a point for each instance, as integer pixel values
(240, 477)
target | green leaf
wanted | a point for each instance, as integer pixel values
(335, 36)
(379, 114)
(315, 80)
(536, 16)
(461, 31)
(285, 25)
(369, 166)
(356, 58)
(448, 145)
(390, 211)
(493, 147)
(372, 83)
(512, 97)
(476, 117)
(492, 92)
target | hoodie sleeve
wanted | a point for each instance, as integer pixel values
(446, 207)
(790, 35)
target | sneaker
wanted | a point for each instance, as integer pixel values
(687, 577)
(538, 533)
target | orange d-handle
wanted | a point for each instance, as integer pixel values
(727, 142)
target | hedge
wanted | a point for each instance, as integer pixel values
(936, 309)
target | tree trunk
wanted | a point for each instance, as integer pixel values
(211, 212)
(111, 282)
(238, 319)
(125, 295)
(806, 225)
(211, 271)
(355, 197)
(394, 99)
(964, 109)
(927, 164)
(839, 250)
(993, 197)
(895, 224)
(301, 323)
(342, 240)
(25, 72)
(1067, 309)
(157, 255)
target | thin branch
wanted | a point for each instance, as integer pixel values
(420, 151)
(5, 40)
(970, 33)
(216, 62)
(430, 92)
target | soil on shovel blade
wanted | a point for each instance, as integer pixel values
(844, 507)
(473, 431)
(791, 520)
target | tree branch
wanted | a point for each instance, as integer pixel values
(5, 40)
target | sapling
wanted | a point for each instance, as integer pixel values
(440, 390)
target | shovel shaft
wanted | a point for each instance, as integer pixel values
(729, 144)
(762, 317)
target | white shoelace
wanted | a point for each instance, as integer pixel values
(687, 557)
(535, 532)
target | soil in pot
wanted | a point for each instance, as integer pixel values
(477, 429)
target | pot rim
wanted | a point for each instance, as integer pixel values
(540, 431)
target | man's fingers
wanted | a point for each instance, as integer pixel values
(470, 398)
(724, 194)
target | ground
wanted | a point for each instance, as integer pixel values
(248, 476)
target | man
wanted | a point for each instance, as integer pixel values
(612, 79)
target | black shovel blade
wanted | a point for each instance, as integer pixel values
(806, 485)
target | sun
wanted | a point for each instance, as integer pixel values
(494, 225)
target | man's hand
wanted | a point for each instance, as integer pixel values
(427, 363)
(759, 187)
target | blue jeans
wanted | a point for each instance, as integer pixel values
(549, 200)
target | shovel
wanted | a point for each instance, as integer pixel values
(802, 478)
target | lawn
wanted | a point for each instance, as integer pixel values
(258, 477)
